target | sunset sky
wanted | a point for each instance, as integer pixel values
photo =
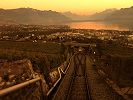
(83, 7)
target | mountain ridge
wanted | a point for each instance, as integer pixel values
(124, 14)
(32, 16)
(102, 15)
(74, 16)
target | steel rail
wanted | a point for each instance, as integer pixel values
(87, 85)
(55, 84)
(24, 84)
(67, 69)
(71, 84)
(86, 82)
(18, 86)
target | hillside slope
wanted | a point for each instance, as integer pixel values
(31, 16)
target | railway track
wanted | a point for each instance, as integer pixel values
(75, 85)
(79, 89)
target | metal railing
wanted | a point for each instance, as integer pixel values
(60, 71)
(13, 89)
(19, 86)
(24, 91)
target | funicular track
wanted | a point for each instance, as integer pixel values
(79, 89)
(75, 85)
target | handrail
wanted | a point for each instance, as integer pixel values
(64, 72)
(55, 82)
(67, 68)
(21, 85)
(59, 70)
(18, 86)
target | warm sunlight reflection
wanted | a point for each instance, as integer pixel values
(96, 25)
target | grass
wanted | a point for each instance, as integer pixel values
(44, 56)
(120, 64)
(117, 50)
(32, 47)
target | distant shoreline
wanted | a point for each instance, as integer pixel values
(87, 20)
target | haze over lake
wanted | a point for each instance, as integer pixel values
(101, 25)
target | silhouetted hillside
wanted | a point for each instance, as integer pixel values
(102, 15)
(75, 17)
(31, 16)
(122, 15)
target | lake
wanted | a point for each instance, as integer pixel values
(100, 25)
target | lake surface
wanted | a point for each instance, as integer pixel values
(100, 25)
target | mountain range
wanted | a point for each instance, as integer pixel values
(31, 16)
(75, 17)
(112, 15)
(97, 16)
(48, 17)
(122, 15)
(102, 15)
